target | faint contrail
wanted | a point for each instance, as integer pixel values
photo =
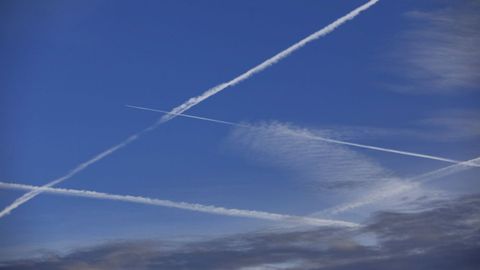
(183, 205)
(269, 62)
(408, 184)
(192, 102)
(315, 137)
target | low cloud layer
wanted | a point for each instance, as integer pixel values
(445, 237)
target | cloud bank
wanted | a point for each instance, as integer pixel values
(445, 237)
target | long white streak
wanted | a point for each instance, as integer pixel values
(190, 116)
(316, 137)
(409, 184)
(267, 63)
(183, 205)
(192, 102)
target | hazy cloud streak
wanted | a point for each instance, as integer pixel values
(439, 54)
(409, 184)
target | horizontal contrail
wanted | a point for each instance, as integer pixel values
(407, 185)
(192, 102)
(316, 137)
(183, 205)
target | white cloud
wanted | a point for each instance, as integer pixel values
(336, 166)
(440, 55)
(329, 165)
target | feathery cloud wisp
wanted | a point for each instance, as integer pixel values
(194, 101)
(324, 164)
(183, 205)
(440, 54)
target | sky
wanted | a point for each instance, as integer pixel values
(401, 75)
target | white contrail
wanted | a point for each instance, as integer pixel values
(408, 184)
(316, 137)
(192, 102)
(269, 62)
(30, 195)
(183, 205)
(191, 116)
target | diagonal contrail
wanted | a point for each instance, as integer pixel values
(269, 62)
(183, 205)
(409, 184)
(316, 137)
(194, 101)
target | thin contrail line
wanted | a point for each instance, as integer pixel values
(191, 116)
(194, 101)
(316, 137)
(409, 184)
(183, 205)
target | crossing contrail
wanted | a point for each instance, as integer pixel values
(192, 102)
(183, 205)
(316, 137)
(407, 185)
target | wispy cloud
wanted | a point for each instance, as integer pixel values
(297, 149)
(450, 125)
(182, 205)
(329, 165)
(445, 237)
(454, 124)
(335, 166)
(440, 53)
(192, 102)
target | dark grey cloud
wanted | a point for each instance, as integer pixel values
(445, 237)
(439, 53)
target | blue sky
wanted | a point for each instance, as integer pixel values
(69, 68)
